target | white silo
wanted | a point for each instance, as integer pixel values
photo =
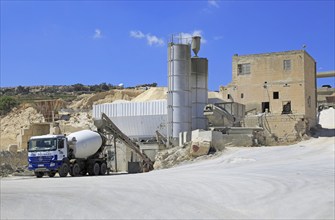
(199, 91)
(199, 86)
(179, 90)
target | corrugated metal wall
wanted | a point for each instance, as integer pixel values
(136, 119)
(156, 107)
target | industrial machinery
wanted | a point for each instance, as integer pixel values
(106, 126)
(227, 114)
(79, 153)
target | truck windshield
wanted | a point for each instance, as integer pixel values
(45, 144)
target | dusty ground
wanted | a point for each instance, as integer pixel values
(285, 182)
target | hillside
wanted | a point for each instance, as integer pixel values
(80, 108)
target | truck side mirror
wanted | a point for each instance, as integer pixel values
(28, 146)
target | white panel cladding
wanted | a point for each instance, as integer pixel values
(141, 126)
(136, 119)
(156, 107)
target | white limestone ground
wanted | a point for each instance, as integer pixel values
(284, 182)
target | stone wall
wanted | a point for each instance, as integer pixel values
(219, 140)
(285, 128)
(33, 130)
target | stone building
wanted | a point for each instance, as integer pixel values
(280, 85)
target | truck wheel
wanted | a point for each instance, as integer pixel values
(94, 170)
(51, 174)
(75, 170)
(103, 169)
(63, 170)
(39, 174)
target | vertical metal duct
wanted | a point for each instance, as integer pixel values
(179, 90)
(199, 89)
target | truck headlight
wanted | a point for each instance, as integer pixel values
(30, 165)
(52, 164)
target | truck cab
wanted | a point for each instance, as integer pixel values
(48, 154)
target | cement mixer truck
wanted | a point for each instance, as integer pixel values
(79, 153)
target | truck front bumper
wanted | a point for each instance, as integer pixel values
(52, 166)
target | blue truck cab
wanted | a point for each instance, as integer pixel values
(48, 154)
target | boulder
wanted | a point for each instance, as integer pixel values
(199, 148)
(13, 148)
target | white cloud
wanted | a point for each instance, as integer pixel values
(213, 3)
(151, 39)
(97, 34)
(137, 34)
(187, 37)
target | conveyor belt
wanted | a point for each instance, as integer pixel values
(108, 127)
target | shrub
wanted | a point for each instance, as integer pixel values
(7, 103)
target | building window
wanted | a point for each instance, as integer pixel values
(309, 101)
(275, 95)
(287, 107)
(228, 96)
(287, 64)
(243, 69)
(242, 95)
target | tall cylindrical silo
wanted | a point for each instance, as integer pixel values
(199, 90)
(179, 90)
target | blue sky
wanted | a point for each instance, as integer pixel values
(90, 42)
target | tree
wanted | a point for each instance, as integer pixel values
(104, 86)
(79, 87)
(7, 103)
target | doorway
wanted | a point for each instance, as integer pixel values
(265, 107)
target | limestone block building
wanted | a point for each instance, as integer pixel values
(281, 85)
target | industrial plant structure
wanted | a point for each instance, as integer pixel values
(272, 96)
(187, 89)
(175, 117)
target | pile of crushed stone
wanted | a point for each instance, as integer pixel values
(86, 101)
(179, 155)
(154, 93)
(327, 118)
(79, 120)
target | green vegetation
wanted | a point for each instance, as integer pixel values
(7, 103)
(13, 96)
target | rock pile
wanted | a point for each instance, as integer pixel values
(86, 101)
(183, 155)
(14, 163)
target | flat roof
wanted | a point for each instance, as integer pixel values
(276, 53)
